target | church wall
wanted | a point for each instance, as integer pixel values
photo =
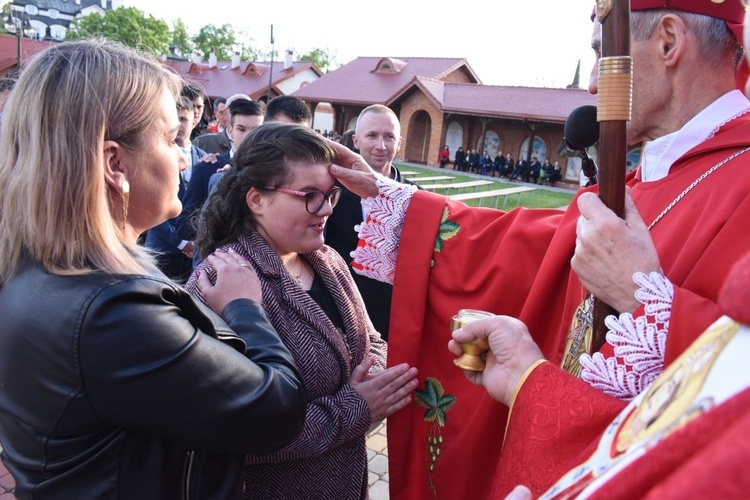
(418, 101)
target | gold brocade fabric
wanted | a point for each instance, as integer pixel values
(580, 336)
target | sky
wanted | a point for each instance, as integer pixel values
(535, 43)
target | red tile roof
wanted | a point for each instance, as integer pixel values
(358, 82)
(9, 50)
(543, 104)
(248, 78)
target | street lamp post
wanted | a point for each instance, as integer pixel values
(21, 26)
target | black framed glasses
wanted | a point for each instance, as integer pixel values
(314, 199)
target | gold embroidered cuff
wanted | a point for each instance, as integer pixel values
(517, 390)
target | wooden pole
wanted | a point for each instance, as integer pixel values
(615, 92)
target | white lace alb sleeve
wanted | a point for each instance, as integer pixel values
(639, 342)
(379, 234)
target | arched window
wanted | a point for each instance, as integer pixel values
(454, 137)
(539, 150)
(491, 144)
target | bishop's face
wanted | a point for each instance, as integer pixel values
(650, 89)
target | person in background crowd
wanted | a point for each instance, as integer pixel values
(532, 173)
(444, 156)
(288, 109)
(472, 161)
(221, 116)
(550, 173)
(219, 143)
(348, 140)
(509, 166)
(115, 382)
(498, 164)
(485, 164)
(197, 96)
(459, 162)
(522, 167)
(245, 116)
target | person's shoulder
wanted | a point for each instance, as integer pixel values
(206, 138)
(198, 151)
(224, 159)
(205, 169)
(135, 283)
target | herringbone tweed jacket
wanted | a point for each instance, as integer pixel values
(328, 460)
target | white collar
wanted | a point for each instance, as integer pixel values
(660, 154)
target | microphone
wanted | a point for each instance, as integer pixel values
(581, 128)
(581, 131)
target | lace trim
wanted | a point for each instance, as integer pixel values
(380, 233)
(639, 342)
(716, 129)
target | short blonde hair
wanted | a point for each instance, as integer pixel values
(377, 109)
(57, 208)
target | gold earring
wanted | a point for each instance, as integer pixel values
(125, 202)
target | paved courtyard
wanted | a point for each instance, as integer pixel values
(377, 457)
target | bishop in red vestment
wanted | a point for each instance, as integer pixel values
(687, 220)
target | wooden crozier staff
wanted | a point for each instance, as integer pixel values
(614, 102)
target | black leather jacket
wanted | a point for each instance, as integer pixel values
(117, 387)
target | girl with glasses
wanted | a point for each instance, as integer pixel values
(271, 208)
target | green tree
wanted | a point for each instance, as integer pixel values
(222, 40)
(127, 25)
(323, 58)
(181, 39)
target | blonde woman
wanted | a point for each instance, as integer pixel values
(115, 383)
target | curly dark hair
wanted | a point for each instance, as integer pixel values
(261, 160)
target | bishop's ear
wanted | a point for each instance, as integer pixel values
(672, 37)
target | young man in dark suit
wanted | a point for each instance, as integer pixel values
(246, 115)
(378, 137)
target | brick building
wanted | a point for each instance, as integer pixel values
(442, 101)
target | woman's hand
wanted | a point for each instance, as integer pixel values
(235, 279)
(385, 392)
(512, 352)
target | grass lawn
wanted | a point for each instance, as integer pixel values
(542, 198)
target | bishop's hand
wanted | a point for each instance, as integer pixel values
(512, 352)
(610, 250)
(353, 171)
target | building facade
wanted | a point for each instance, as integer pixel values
(441, 101)
(51, 18)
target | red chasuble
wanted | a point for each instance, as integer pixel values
(447, 444)
(684, 437)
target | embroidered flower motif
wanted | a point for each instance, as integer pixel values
(447, 230)
(437, 403)
(639, 342)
